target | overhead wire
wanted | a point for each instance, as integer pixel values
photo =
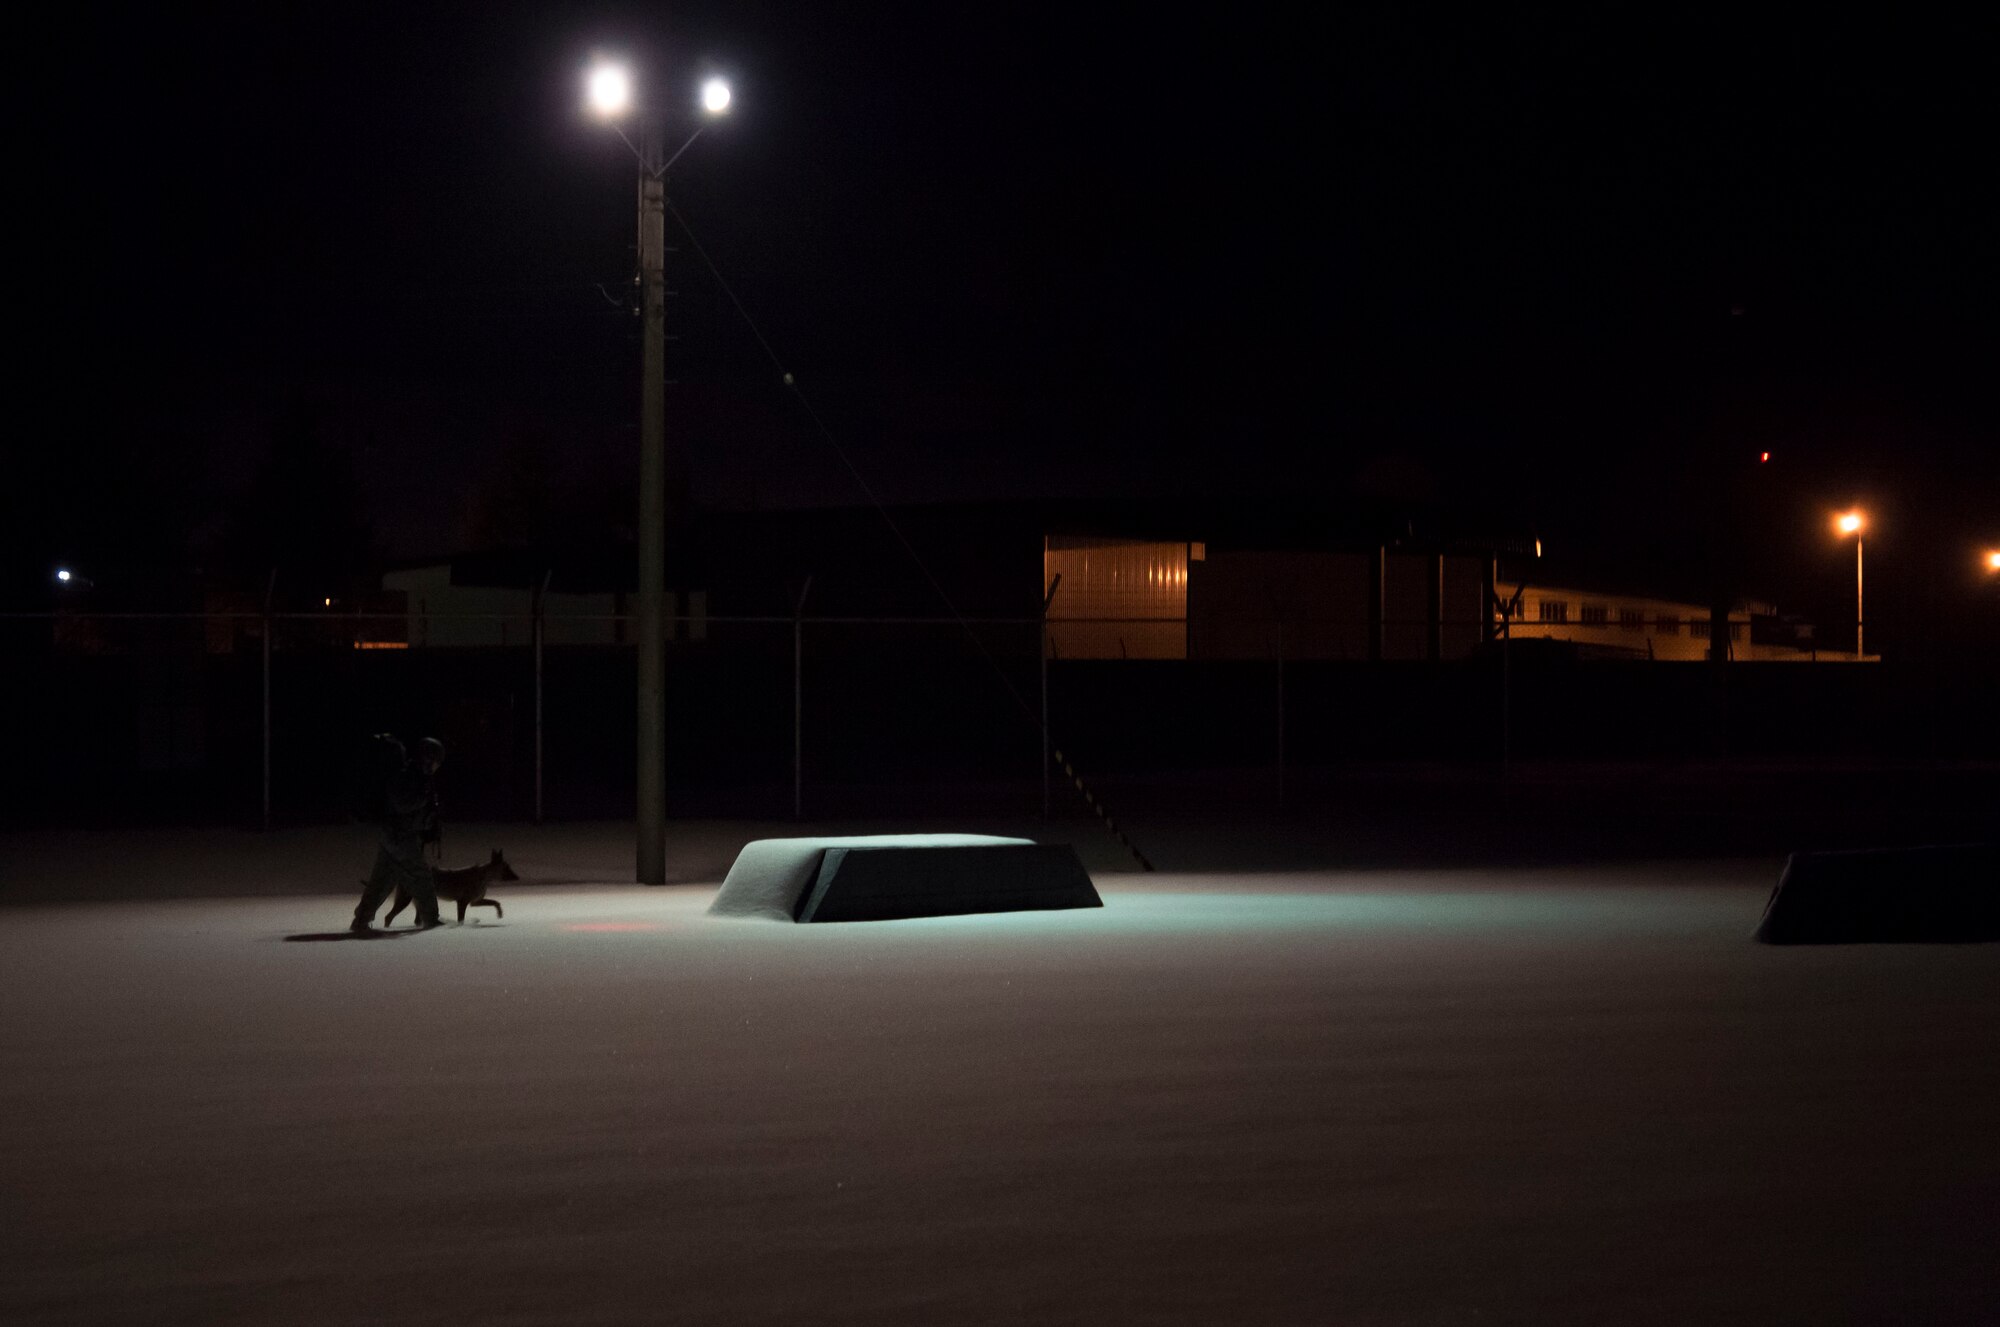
(875, 501)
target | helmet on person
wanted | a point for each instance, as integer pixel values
(430, 749)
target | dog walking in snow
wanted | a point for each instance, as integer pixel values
(465, 886)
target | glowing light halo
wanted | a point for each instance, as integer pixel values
(609, 90)
(715, 96)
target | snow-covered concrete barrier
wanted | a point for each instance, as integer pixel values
(1941, 893)
(879, 877)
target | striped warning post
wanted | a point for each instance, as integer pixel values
(1102, 815)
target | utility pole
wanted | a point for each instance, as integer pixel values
(611, 97)
(1858, 651)
(652, 782)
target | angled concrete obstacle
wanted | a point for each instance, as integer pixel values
(1946, 893)
(886, 876)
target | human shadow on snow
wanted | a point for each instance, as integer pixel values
(473, 924)
(349, 935)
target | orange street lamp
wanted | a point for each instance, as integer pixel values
(1993, 559)
(1851, 523)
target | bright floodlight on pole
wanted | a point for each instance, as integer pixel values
(610, 90)
(1850, 522)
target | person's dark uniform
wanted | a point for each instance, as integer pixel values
(409, 820)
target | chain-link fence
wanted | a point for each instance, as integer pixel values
(253, 718)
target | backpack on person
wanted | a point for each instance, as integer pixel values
(371, 767)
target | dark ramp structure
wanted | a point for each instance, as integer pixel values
(886, 876)
(1948, 893)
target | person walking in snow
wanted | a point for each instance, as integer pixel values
(409, 819)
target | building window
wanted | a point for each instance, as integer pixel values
(1632, 619)
(1553, 610)
(1698, 628)
(1666, 626)
(1593, 615)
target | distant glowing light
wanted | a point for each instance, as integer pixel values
(1538, 548)
(1993, 560)
(1763, 458)
(62, 574)
(1850, 523)
(610, 90)
(715, 96)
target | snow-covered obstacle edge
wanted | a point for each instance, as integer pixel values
(1941, 893)
(885, 876)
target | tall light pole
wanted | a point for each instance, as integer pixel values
(610, 94)
(1851, 523)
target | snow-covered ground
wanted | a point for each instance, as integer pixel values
(1525, 1095)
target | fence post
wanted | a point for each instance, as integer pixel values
(1378, 604)
(1043, 659)
(540, 631)
(1506, 688)
(270, 587)
(1434, 646)
(1281, 713)
(798, 700)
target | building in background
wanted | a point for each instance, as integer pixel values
(485, 599)
(1138, 599)
(1120, 598)
(1603, 624)
(341, 618)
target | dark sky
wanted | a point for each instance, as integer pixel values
(1572, 271)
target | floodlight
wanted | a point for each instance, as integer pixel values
(1850, 523)
(610, 90)
(62, 574)
(715, 96)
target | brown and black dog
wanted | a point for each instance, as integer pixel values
(466, 886)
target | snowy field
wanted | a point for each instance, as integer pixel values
(1573, 1094)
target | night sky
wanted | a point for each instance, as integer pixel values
(1572, 274)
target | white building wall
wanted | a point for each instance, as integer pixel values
(447, 615)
